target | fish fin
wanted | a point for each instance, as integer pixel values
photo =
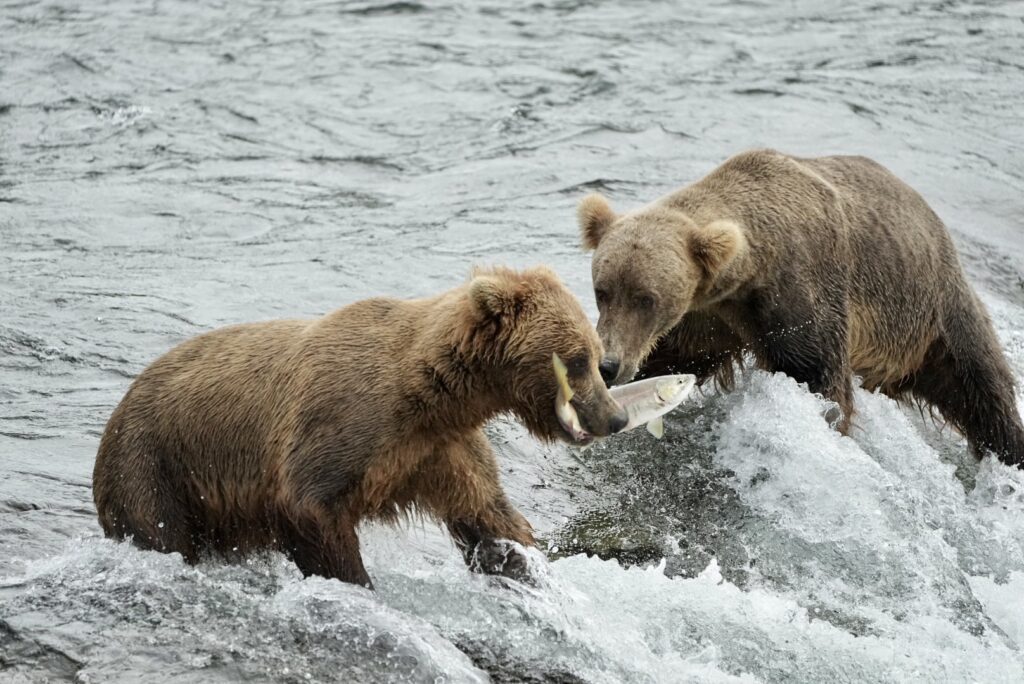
(562, 376)
(657, 427)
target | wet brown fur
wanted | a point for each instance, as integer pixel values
(820, 268)
(287, 434)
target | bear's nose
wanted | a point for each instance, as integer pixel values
(618, 421)
(609, 368)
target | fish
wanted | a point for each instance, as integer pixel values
(563, 409)
(647, 401)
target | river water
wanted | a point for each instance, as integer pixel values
(169, 167)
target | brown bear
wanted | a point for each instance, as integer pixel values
(286, 434)
(818, 268)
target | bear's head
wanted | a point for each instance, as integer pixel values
(520, 320)
(649, 268)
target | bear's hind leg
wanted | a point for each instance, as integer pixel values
(149, 527)
(973, 390)
(329, 550)
(145, 500)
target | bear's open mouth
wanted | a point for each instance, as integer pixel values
(570, 424)
(564, 410)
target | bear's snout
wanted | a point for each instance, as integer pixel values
(618, 421)
(603, 416)
(609, 368)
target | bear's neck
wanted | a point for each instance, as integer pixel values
(457, 387)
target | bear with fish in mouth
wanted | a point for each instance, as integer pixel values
(287, 434)
(819, 268)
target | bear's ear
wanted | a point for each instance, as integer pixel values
(715, 245)
(595, 217)
(496, 295)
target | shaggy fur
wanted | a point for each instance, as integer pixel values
(287, 434)
(819, 268)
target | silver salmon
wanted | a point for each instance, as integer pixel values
(646, 401)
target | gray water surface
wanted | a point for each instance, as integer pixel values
(170, 167)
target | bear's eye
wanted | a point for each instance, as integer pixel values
(645, 302)
(578, 365)
(601, 296)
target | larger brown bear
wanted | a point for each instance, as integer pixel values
(287, 434)
(821, 269)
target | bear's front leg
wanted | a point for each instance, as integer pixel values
(460, 486)
(810, 345)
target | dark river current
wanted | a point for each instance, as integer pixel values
(170, 167)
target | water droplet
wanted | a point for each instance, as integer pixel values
(160, 525)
